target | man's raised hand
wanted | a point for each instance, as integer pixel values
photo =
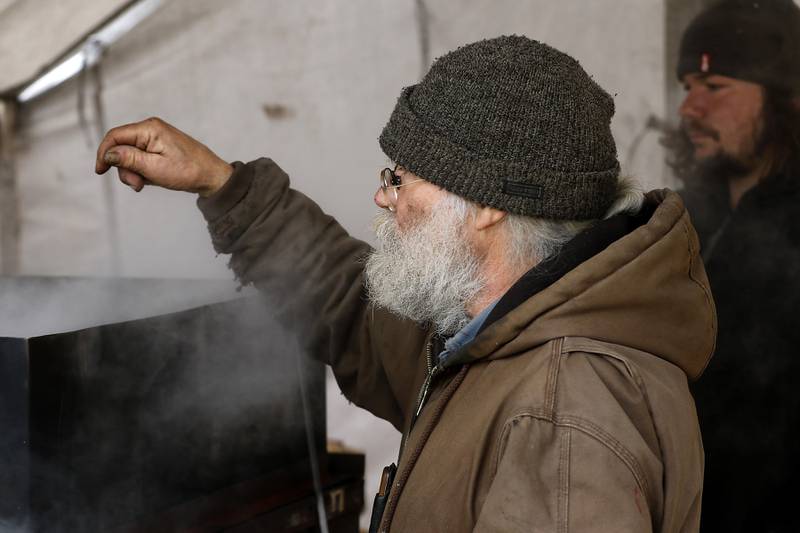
(152, 152)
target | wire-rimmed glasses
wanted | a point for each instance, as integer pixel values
(390, 182)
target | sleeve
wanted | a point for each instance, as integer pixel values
(311, 271)
(558, 479)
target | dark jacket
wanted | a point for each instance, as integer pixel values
(570, 410)
(748, 400)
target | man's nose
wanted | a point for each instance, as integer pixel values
(692, 106)
(380, 199)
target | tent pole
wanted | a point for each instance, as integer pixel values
(9, 205)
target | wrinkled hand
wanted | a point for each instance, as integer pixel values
(152, 152)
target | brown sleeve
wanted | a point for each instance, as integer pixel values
(557, 478)
(311, 270)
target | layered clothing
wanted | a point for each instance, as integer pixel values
(569, 410)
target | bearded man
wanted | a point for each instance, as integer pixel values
(528, 320)
(740, 159)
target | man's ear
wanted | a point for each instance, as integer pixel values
(487, 217)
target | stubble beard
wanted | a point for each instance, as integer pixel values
(724, 166)
(428, 272)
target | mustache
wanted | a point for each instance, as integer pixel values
(690, 126)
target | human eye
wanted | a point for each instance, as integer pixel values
(713, 84)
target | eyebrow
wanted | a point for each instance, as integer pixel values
(702, 77)
(699, 76)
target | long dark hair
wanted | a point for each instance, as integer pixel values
(782, 131)
(780, 139)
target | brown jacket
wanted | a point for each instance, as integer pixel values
(569, 413)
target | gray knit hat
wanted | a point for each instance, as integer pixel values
(513, 124)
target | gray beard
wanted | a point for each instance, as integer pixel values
(428, 273)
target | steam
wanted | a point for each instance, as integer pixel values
(35, 306)
(130, 418)
(8, 526)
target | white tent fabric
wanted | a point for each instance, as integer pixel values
(34, 33)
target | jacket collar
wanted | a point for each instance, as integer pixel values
(581, 248)
(646, 290)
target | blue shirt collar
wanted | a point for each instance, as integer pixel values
(465, 335)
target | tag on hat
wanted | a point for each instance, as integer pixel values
(518, 188)
(705, 63)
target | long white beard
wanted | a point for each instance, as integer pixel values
(427, 273)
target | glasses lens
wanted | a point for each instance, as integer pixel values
(389, 192)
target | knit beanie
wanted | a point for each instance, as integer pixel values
(513, 124)
(753, 40)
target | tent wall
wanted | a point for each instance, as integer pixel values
(309, 84)
(33, 33)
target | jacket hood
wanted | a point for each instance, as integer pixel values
(647, 290)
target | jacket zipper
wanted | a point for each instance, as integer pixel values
(402, 476)
(421, 397)
(433, 371)
(383, 497)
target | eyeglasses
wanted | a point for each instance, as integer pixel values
(390, 182)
